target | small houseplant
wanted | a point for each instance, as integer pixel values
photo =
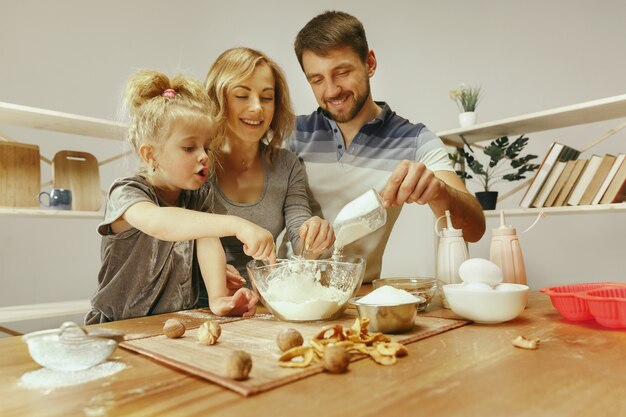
(505, 164)
(466, 98)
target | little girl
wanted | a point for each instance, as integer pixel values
(158, 237)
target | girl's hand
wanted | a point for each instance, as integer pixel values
(317, 235)
(257, 242)
(241, 303)
(234, 280)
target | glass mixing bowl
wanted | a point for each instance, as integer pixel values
(307, 290)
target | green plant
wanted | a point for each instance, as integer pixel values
(499, 151)
(466, 98)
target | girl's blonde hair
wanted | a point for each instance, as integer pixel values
(156, 102)
(231, 68)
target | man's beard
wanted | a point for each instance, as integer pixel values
(359, 103)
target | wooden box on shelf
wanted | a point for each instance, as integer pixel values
(20, 174)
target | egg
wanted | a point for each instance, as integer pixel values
(476, 286)
(480, 270)
(507, 287)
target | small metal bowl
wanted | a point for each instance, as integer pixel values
(418, 286)
(69, 348)
(397, 318)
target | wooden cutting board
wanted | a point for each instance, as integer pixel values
(257, 336)
(20, 175)
(79, 172)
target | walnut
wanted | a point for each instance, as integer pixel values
(238, 365)
(288, 338)
(209, 332)
(336, 359)
(173, 328)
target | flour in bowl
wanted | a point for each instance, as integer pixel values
(299, 295)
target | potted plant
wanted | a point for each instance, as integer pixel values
(466, 98)
(505, 164)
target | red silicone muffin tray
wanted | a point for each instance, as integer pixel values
(603, 301)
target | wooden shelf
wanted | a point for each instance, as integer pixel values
(577, 114)
(39, 311)
(600, 208)
(16, 115)
(45, 213)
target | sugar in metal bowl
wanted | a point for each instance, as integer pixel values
(68, 348)
(307, 290)
(420, 287)
(397, 318)
(389, 310)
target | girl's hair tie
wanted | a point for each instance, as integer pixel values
(170, 92)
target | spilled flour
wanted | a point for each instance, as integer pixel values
(48, 379)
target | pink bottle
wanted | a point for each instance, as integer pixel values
(506, 252)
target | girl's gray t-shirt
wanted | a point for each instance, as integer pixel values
(142, 275)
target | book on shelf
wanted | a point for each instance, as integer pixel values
(549, 184)
(556, 152)
(585, 178)
(597, 180)
(616, 192)
(605, 184)
(560, 182)
(572, 180)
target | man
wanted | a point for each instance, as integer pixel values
(352, 143)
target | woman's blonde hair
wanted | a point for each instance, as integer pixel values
(231, 68)
(156, 102)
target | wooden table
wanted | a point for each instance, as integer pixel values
(579, 370)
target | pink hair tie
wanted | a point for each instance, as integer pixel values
(170, 92)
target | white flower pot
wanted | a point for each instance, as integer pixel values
(467, 119)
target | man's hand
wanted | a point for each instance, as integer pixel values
(412, 182)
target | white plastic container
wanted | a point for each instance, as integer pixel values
(360, 217)
(451, 253)
(506, 252)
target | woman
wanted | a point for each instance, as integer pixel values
(255, 178)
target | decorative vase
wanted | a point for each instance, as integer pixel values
(467, 118)
(487, 199)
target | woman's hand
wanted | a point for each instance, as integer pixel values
(241, 303)
(234, 280)
(317, 235)
(257, 242)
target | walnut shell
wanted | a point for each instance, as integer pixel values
(173, 328)
(209, 332)
(238, 365)
(289, 338)
(336, 359)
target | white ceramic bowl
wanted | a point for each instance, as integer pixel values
(487, 306)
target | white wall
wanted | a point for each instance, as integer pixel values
(74, 56)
